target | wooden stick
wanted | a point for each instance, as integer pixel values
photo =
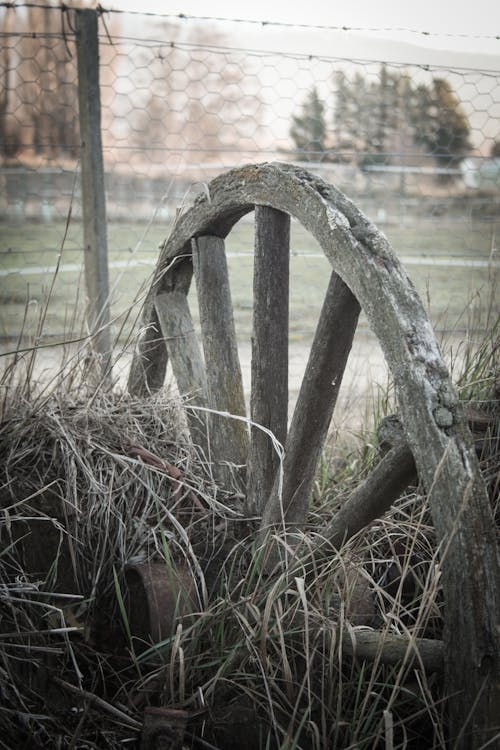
(95, 700)
(313, 412)
(269, 403)
(374, 496)
(228, 437)
(185, 355)
(393, 649)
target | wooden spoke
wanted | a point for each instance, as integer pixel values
(228, 437)
(269, 399)
(373, 497)
(149, 363)
(315, 405)
(185, 355)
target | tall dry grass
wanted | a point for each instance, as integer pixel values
(264, 660)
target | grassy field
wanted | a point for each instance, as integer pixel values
(27, 250)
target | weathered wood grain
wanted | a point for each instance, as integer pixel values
(269, 393)
(314, 408)
(150, 359)
(228, 437)
(387, 648)
(149, 363)
(185, 356)
(95, 238)
(374, 496)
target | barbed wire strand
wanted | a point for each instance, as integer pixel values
(266, 23)
(113, 40)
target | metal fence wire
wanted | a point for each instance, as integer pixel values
(417, 147)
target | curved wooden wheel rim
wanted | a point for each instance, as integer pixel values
(434, 421)
(363, 258)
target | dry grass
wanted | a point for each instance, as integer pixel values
(263, 662)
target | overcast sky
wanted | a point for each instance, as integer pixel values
(456, 26)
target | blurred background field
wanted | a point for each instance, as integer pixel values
(447, 274)
(414, 142)
(457, 287)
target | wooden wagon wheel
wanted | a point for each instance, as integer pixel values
(365, 273)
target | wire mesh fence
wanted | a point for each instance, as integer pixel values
(417, 147)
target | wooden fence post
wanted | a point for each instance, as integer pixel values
(93, 195)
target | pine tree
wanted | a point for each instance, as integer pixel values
(348, 120)
(495, 149)
(440, 124)
(368, 116)
(385, 116)
(309, 129)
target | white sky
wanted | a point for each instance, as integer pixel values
(462, 26)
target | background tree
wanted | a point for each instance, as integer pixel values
(379, 115)
(388, 115)
(383, 107)
(495, 149)
(38, 80)
(39, 95)
(440, 124)
(308, 129)
(369, 115)
(345, 113)
(353, 116)
(197, 96)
